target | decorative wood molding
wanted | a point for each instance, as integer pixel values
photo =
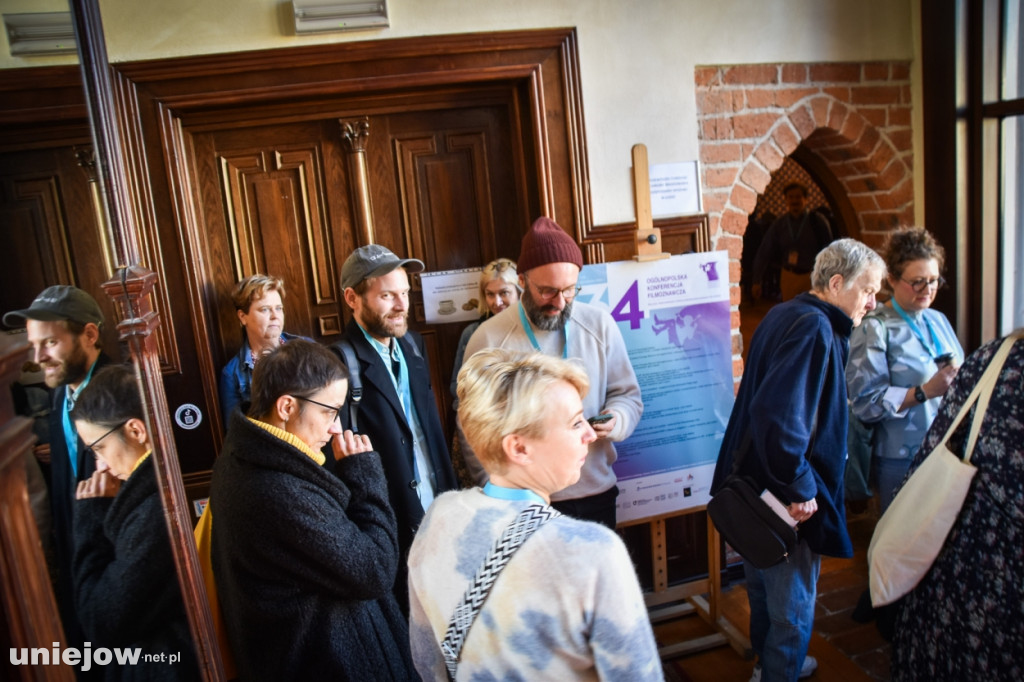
(354, 134)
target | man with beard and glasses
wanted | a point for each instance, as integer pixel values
(398, 410)
(63, 327)
(549, 319)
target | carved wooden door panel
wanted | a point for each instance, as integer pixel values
(277, 199)
(49, 231)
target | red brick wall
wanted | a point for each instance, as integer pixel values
(855, 117)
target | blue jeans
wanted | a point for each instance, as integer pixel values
(782, 612)
(890, 472)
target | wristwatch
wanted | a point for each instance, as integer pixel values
(919, 395)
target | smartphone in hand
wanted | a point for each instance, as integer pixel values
(600, 419)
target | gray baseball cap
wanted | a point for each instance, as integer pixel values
(60, 302)
(374, 260)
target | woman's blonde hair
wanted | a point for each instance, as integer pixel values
(502, 392)
(499, 268)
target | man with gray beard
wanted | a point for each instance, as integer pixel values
(549, 319)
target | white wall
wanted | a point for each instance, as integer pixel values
(618, 39)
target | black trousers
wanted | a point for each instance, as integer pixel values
(599, 507)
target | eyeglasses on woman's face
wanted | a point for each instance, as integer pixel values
(330, 408)
(921, 283)
(89, 449)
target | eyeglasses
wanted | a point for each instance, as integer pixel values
(920, 284)
(548, 293)
(332, 408)
(90, 446)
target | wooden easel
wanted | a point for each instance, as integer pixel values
(663, 602)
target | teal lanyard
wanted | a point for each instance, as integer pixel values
(917, 330)
(70, 434)
(533, 337)
(500, 493)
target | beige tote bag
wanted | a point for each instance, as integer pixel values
(913, 529)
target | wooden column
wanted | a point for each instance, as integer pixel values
(130, 291)
(31, 609)
(354, 134)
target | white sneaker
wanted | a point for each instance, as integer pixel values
(806, 670)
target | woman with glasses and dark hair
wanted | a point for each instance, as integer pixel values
(499, 288)
(126, 586)
(903, 358)
(304, 559)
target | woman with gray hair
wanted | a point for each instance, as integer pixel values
(553, 612)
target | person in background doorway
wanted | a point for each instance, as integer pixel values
(791, 243)
(259, 305)
(791, 409)
(125, 580)
(499, 288)
(903, 358)
(63, 327)
(550, 320)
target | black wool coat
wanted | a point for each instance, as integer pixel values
(304, 561)
(126, 584)
(63, 484)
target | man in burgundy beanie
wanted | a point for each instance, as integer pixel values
(549, 319)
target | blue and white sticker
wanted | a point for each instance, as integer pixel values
(188, 416)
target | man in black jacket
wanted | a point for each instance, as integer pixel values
(63, 325)
(398, 410)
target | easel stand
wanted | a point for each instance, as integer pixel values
(696, 597)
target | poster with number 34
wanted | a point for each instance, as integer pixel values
(674, 317)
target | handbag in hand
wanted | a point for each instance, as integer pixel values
(749, 525)
(913, 529)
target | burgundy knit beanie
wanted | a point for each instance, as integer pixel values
(547, 243)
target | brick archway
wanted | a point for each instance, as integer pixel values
(855, 118)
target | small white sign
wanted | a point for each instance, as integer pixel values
(451, 295)
(188, 416)
(675, 189)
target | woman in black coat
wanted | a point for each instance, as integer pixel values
(304, 560)
(126, 586)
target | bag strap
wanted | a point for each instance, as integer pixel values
(982, 392)
(515, 534)
(345, 350)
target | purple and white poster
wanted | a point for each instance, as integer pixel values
(674, 316)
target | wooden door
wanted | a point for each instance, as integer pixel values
(276, 199)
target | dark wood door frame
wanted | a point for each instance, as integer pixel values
(167, 101)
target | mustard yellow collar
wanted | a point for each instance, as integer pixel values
(292, 440)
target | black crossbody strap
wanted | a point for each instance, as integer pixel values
(355, 383)
(515, 534)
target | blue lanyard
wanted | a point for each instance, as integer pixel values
(533, 338)
(70, 433)
(500, 493)
(917, 330)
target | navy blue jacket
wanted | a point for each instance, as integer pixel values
(63, 484)
(382, 418)
(794, 375)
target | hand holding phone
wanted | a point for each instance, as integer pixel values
(944, 359)
(600, 419)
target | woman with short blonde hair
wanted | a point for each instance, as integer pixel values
(553, 612)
